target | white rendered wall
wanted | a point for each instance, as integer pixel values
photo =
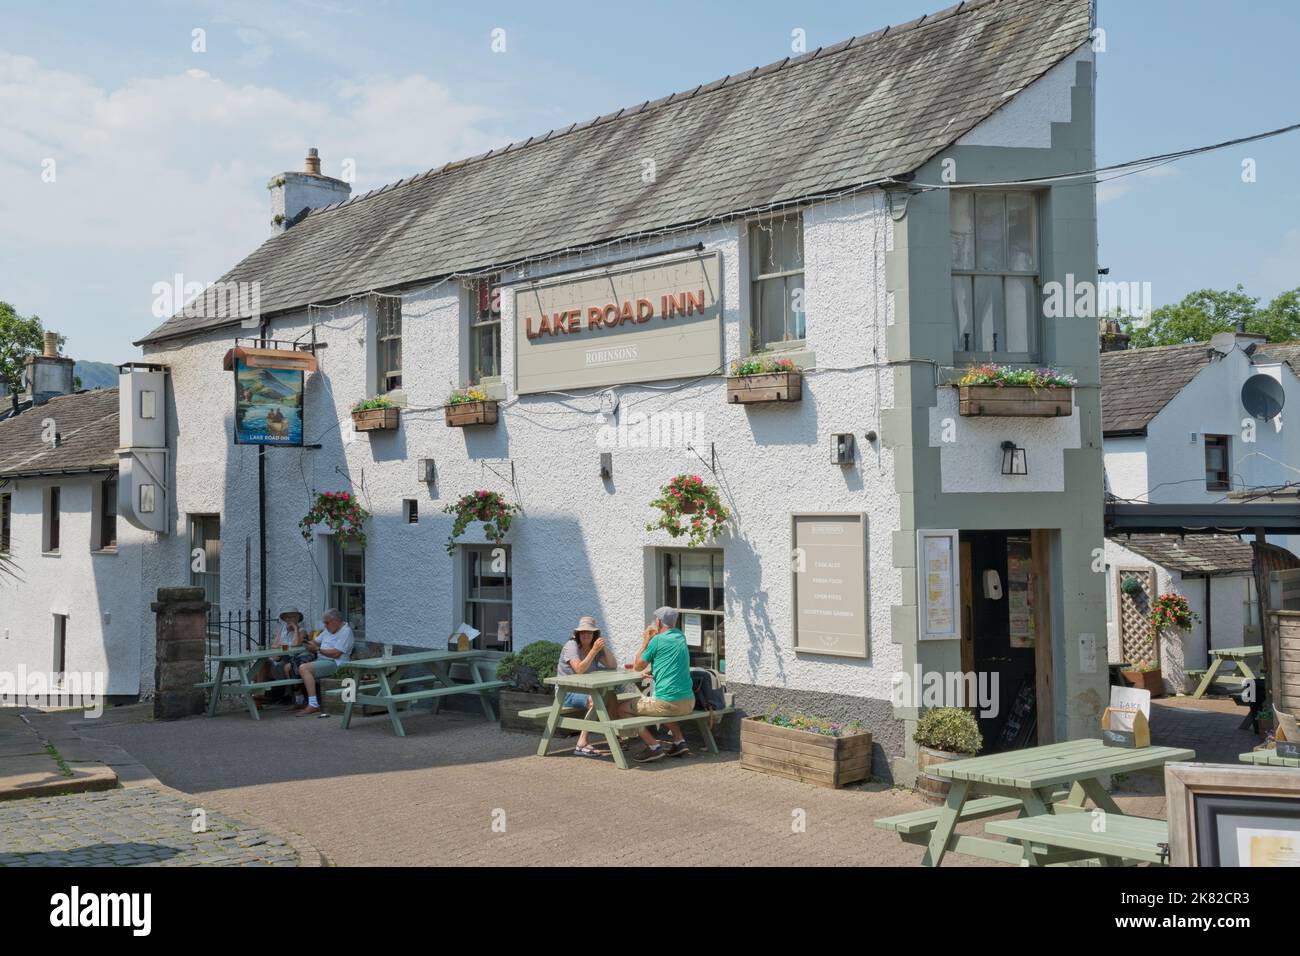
(1026, 121)
(1126, 468)
(581, 546)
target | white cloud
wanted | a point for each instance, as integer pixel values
(1114, 188)
(166, 174)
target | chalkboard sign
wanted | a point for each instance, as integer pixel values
(1022, 720)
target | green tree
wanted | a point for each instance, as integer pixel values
(20, 336)
(1206, 312)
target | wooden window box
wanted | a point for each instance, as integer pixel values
(803, 755)
(376, 419)
(764, 387)
(1015, 401)
(471, 413)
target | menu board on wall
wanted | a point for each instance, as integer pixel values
(830, 583)
(938, 584)
(1020, 590)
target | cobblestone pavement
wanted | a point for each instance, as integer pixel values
(140, 826)
(458, 791)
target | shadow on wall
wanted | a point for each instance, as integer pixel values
(764, 643)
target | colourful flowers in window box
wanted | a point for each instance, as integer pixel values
(375, 414)
(764, 378)
(1004, 391)
(469, 406)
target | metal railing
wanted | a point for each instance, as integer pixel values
(232, 632)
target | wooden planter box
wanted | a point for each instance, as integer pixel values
(764, 387)
(471, 413)
(1146, 680)
(376, 419)
(1015, 401)
(513, 701)
(804, 756)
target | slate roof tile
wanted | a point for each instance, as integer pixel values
(88, 434)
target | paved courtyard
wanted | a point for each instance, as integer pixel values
(458, 791)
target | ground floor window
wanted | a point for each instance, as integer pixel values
(488, 594)
(691, 582)
(60, 647)
(205, 558)
(348, 584)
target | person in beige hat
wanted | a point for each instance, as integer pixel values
(290, 638)
(586, 651)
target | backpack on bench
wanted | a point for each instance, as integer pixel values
(708, 687)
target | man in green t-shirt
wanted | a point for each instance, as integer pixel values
(665, 654)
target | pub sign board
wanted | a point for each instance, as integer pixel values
(268, 405)
(640, 323)
(829, 567)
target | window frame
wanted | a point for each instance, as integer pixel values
(52, 525)
(6, 522)
(105, 511)
(388, 314)
(757, 277)
(59, 666)
(699, 656)
(477, 324)
(1224, 482)
(468, 598)
(208, 579)
(1034, 330)
(339, 587)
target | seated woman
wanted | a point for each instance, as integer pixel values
(291, 636)
(587, 651)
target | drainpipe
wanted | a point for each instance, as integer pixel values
(261, 516)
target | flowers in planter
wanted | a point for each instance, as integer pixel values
(761, 365)
(366, 404)
(1171, 612)
(1002, 376)
(690, 507)
(486, 506)
(779, 717)
(339, 511)
(950, 729)
(461, 396)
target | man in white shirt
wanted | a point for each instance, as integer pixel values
(333, 650)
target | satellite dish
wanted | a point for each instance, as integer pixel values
(1263, 396)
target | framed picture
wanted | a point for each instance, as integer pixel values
(938, 583)
(1230, 815)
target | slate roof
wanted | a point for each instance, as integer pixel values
(1198, 554)
(1137, 383)
(1288, 352)
(858, 112)
(88, 436)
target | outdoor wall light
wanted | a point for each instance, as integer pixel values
(1014, 460)
(842, 448)
(428, 472)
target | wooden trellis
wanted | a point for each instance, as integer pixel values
(1136, 642)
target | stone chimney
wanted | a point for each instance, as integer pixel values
(1113, 338)
(292, 192)
(48, 375)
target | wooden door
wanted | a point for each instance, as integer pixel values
(1041, 589)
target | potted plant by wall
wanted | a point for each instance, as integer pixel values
(762, 378)
(469, 406)
(688, 507)
(943, 734)
(341, 512)
(1002, 391)
(525, 670)
(375, 415)
(1170, 615)
(1145, 675)
(487, 506)
(810, 749)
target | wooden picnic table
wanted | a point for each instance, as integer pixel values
(383, 688)
(1268, 758)
(597, 685)
(1029, 781)
(1241, 658)
(245, 664)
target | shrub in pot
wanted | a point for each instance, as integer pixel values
(942, 735)
(525, 670)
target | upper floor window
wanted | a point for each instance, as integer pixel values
(6, 513)
(105, 515)
(995, 274)
(484, 329)
(52, 519)
(388, 337)
(1216, 463)
(776, 283)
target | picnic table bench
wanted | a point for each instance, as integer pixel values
(1268, 758)
(380, 687)
(1029, 782)
(244, 684)
(1242, 658)
(1116, 839)
(596, 684)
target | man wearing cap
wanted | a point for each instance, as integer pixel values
(585, 652)
(665, 654)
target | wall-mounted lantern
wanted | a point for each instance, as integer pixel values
(1014, 459)
(842, 448)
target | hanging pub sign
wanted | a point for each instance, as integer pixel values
(639, 323)
(268, 394)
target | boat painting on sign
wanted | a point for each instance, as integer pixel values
(268, 406)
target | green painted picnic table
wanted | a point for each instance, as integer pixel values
(383, 688)
(1268, 758)
(1028, 781)
(1239, 657)
(245, 663)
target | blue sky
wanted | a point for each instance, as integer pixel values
(161, 154)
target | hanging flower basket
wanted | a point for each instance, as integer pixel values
(487, 506)
(1170, 612)
(339, 511)
(690, 507)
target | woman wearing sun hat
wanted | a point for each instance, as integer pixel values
(586, 651)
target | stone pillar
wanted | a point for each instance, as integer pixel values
(182, 632)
